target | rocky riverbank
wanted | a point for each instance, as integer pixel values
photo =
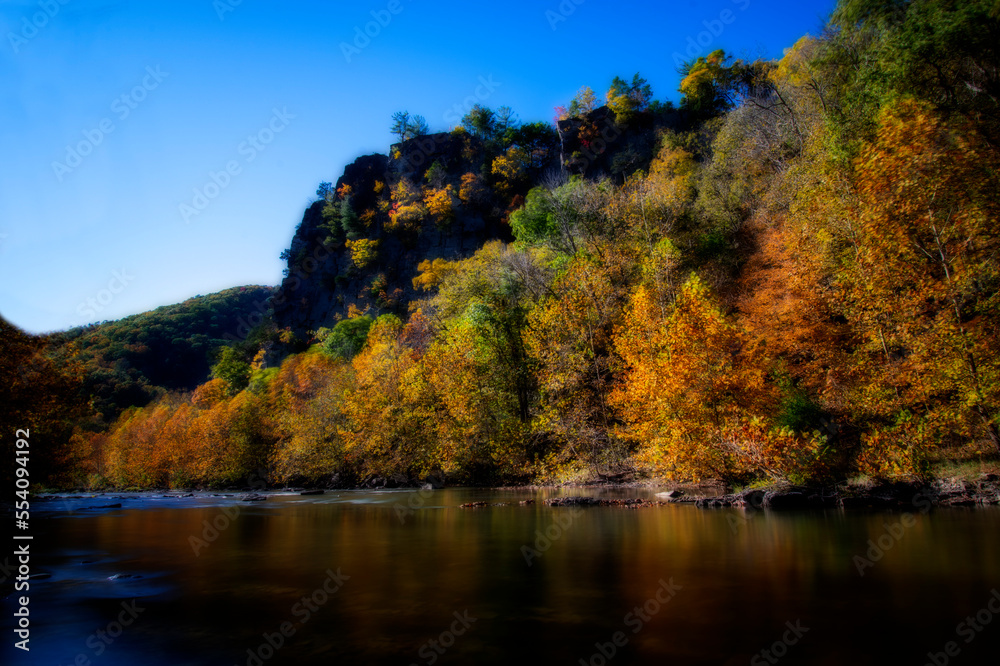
(957, 492)
(887, 496)
(939, 492)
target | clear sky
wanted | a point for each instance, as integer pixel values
(115, 113)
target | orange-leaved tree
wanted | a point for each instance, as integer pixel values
(695, 394)
(923, 291)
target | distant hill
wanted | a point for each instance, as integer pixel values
(130, 361)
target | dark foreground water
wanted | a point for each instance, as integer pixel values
(359, 578)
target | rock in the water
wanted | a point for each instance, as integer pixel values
(312, 492)
(670, 494)
(124, 577)
(253, 497)
(572, 501)
(98, 508)
(628, 503)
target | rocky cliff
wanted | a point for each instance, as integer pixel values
(359, 248)
(601, 144)
(323, 280)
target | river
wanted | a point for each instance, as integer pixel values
(408, 577)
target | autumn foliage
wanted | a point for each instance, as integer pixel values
(801, 281)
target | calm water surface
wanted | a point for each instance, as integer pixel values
(406, 576)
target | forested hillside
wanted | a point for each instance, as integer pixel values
(792, 274)
(85, 377)
(126, 363)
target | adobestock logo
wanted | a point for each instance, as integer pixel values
(483, 91)
(123, 105)
(713, 30)
(223, 7)
(636, 620)
(363, 37)
(302, 611)
(432, 650)
(218, 181)
(780, 647)
(565, 9)
(969, 629)
(96, 304)
(31, 27)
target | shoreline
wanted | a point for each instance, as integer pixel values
(951, 492)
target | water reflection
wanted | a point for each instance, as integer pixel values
(406, 575)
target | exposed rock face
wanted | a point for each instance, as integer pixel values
(322, 281)
(412, 158)
(601, 144)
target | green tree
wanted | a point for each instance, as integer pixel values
(706, 85)
(539, 141)
(407, 127)
(400, 124)
(583, 102)
(626, 99)
(940, 51)
(481, 122)
(325, 191)
(419, 127)
(436, 174)
(232, 369)
(348, 337)
(350, 224)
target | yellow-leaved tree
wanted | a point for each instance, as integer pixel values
(387, 414)
(695, 394)
(922, 291)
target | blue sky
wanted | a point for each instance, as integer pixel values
(114, 114)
